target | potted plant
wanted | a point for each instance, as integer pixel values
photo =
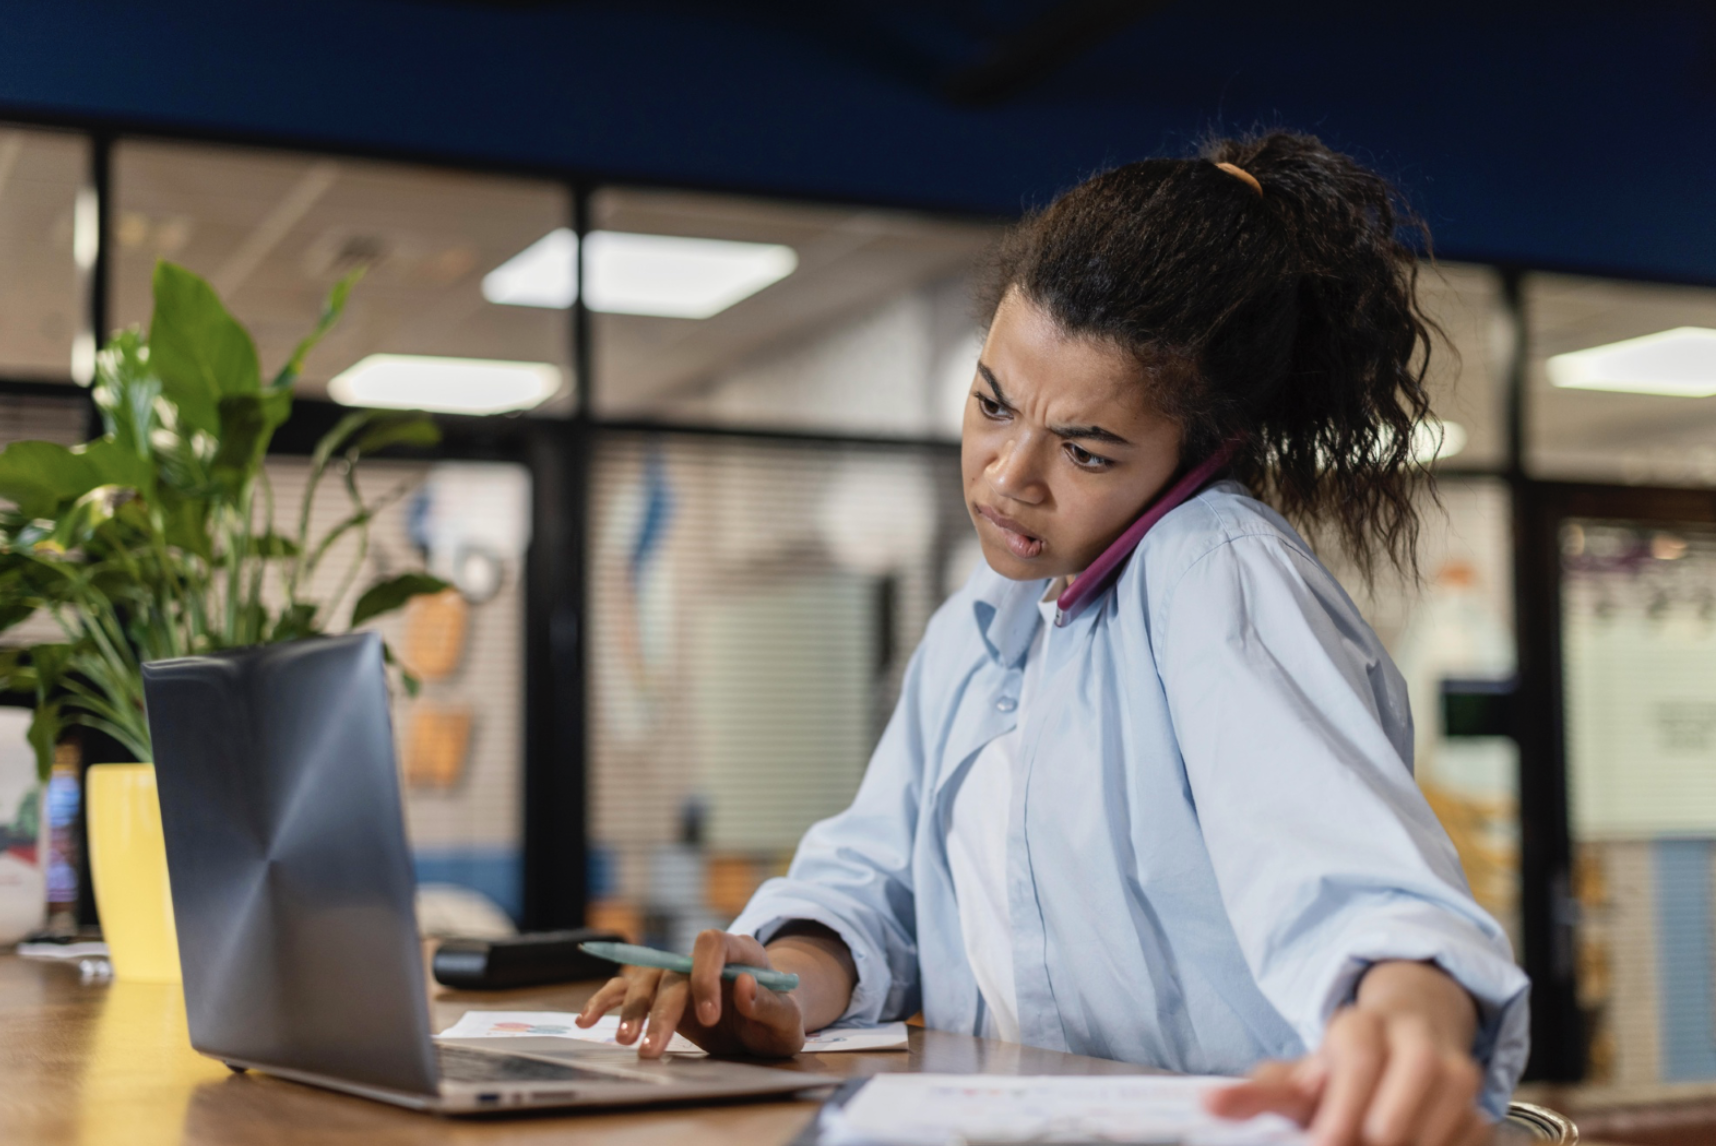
(159, 539)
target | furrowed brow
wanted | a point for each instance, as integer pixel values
(1088, 434)
(989, 377)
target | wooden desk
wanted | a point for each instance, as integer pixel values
(101, 1064)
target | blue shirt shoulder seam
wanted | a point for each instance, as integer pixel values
(1230, 536)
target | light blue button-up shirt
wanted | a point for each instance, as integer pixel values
(1214, 826)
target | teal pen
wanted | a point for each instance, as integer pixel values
(635, 956)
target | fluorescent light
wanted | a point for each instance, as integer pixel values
(445, 385)
(83, 358)
(679, 278)
(1435, 441)
(1679, 363)
(540, 275)
(86, 228)
(666, 276)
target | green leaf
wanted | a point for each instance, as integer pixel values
(181, 469)
(273, 545)
(406, 677)
(114, 464)
(331, 311)
(187, 526)
(387, 595)
(50, 662)
(407, 430)
(44, 734)
(247, 422)
(15, 613)
(134, 514)
(114, 582)
(41, 476)
(88, 514)
(199, 351)
(337, 437)
(32, 534)
(125, 392)
(295, 621)
(15, 674)
(252, 624)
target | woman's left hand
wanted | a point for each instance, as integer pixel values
(1394, 1069)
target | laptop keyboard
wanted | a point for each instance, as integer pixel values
(461, 1064)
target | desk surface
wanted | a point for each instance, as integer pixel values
(103, 1063)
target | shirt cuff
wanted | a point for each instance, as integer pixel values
(1495, 982)
(879, 991)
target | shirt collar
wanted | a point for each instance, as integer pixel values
(1007, 614)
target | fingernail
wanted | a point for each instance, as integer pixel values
(707, 1010)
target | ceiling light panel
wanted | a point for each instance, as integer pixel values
(674, 277)
(543, 274)
(1436, 441)
(1679, 363)
(663, 276)
(445, 385)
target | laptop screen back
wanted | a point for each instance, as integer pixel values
(292, 881)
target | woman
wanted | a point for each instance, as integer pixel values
(1167, 817)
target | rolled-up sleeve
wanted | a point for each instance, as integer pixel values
(852, 873)
(1293, 729)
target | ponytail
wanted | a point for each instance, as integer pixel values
(1284, 314)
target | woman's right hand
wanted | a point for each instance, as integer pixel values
(738, 1017)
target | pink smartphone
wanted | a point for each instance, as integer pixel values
(1095, 579)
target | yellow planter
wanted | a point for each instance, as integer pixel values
(128, 867)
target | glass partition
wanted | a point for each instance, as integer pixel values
(752, 606)
(1621, 382)
(273, 231)
(1466, 391)
(745, 312)
(1452, 637)
(48, 240)
(1639, 654)
(459, 742)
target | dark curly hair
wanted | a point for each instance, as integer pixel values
(1289, 318)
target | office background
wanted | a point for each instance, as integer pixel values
(692, 576)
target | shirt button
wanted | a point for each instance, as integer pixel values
(1006, 704)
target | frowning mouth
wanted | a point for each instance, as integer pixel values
(1020, 541)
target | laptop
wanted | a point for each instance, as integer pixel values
(293, 894)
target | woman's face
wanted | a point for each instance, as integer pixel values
(1060, 451)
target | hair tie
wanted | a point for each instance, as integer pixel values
(1243, 176)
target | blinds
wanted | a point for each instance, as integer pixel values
(460, 742)
(752, 607)
(1639, 634)
(63, 420)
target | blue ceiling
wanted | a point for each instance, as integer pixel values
(1571, 134)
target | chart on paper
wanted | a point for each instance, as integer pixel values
(561, 1024)
(933, 1110)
